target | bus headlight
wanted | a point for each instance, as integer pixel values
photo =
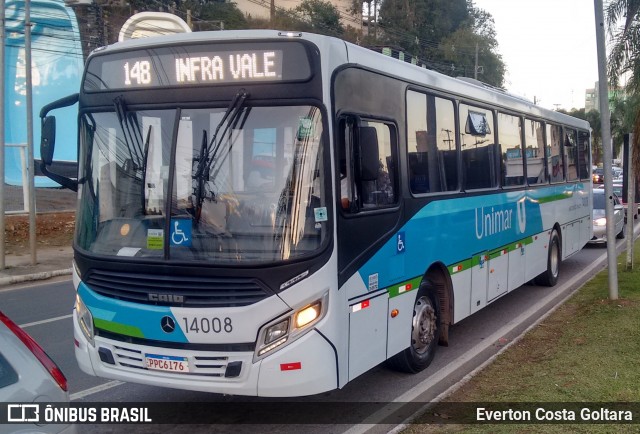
(276, 331)
(288, 329)
(85, 319)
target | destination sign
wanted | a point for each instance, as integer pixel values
(179, 66)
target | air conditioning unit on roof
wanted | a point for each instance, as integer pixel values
(146, 24)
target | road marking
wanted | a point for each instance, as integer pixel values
(97, 389)
(45, 321)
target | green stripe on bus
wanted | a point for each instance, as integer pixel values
(475, 261)
(497, 253)
(402, 287)
(118, 328)
(460, 266)
(457, 267)
(555, 197)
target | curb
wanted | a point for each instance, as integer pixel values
(5, 281)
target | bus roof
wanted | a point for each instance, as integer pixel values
(460, 87)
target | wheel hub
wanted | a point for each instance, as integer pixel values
(424, 325)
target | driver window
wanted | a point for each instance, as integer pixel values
(356, 194)
(381, 192)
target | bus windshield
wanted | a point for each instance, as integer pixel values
(226, 186)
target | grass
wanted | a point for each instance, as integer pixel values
(587, 351)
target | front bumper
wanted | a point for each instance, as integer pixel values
(305, 367)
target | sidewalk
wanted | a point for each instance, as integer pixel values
(51, 262)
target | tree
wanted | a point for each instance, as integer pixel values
(624, 58)
(322, 17)
(315, 16)
(444, 34)
(418, 26)
(216, 15)
(623, 117)
(593, 117)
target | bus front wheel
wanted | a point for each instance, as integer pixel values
(550, 276)
(425, 334)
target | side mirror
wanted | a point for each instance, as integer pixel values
(48, 140)
(369, 153)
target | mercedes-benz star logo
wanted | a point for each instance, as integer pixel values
(167, 324)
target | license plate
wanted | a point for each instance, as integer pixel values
(167, 363)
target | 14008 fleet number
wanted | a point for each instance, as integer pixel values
(207, 325)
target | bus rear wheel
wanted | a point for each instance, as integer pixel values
(550, 276)
(425, 334)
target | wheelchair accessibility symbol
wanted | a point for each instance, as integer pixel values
(400, 246)
(181, 233)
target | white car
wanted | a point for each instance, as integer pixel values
(28, 375)
(600, 220)
(617, 172)
(617, 189)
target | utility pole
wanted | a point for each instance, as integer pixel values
(30, 161)
(273, 13)
(475, 70)
(632, 208)
(605, 119)
(2, 147)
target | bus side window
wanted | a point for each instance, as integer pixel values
(509, 134)
(431, 145)
(478, 148)
(584, 156)
(555, 158)
(534, 152)
(571, 153)
(367, 189)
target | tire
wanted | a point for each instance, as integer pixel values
(550, 276)
(621, 235)
(425, 334)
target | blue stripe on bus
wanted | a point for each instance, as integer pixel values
(132, 319)
(450, 231)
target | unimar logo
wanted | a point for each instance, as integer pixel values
(492, 221)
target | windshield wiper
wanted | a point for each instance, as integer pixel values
(131, 139)
(145, 156)
(200, 175)
(234, 123)
(209, 149)
(231, 114)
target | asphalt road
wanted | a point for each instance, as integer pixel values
(44, 310)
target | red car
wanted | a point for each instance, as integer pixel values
(598, 176)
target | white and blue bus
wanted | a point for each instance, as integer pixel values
(274, 214)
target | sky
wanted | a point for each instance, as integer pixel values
(548, 47)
